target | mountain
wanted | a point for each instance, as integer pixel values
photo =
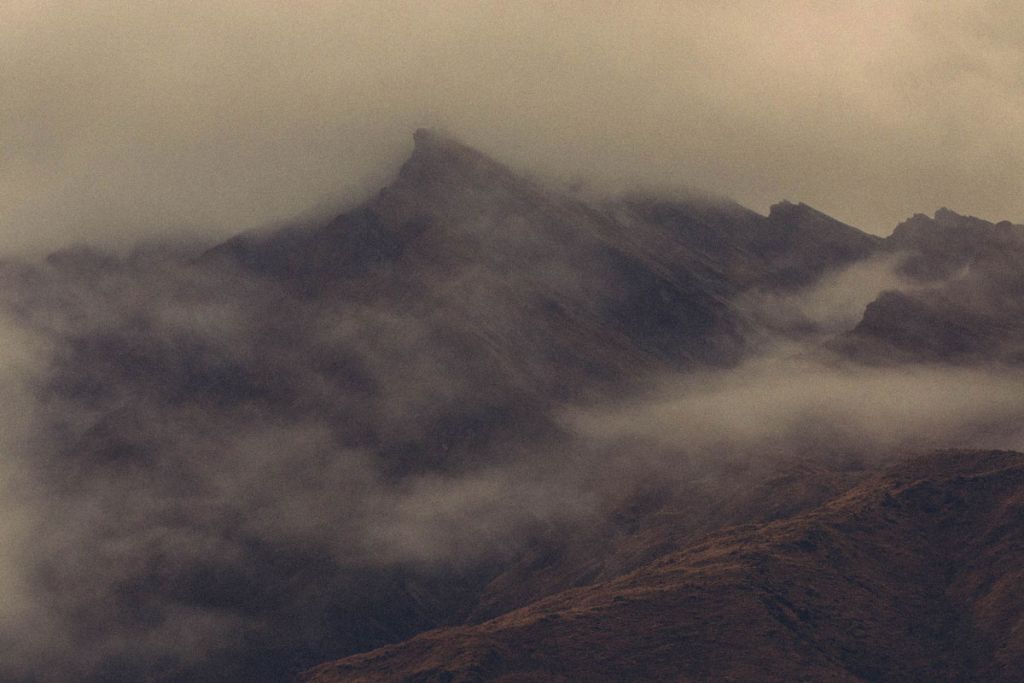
(790, 248)
(912, 574)
(638, 276)
(314, 441)
(965, 299)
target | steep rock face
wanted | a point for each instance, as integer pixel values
(914, 574)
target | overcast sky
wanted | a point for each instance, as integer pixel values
(131, 119)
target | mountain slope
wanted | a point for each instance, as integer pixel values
(966, 299)
(912, 575)
(318, 440)
(459, 232)
(313, 441)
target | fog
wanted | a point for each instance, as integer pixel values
(199, 466)
(788, 407)
(795, 399)
(208, 471)
(134, 120)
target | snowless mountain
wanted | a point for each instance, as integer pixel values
(580, 439)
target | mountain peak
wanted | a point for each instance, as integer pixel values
(951, 219)
(946, 224)
(438, 157)
(787, 209)
(786, 212)
(801, 216)
(431, 140)
(945, 216)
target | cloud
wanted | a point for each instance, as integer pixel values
(195, 465)
(833, 304)
(201, 470)
(194, 462)
(126, 121)
(779, 406)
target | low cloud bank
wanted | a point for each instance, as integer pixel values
(788, 406)
(196, 466)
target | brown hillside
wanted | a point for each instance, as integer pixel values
(913, 575)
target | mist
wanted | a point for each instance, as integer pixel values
(122, 121)
(793, 407)
(196, 459)
(795, 398)
(240, 461)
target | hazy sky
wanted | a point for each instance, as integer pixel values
(123, 119)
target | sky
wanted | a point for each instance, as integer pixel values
(122, 121)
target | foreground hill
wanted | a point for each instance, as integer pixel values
(912, 575)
